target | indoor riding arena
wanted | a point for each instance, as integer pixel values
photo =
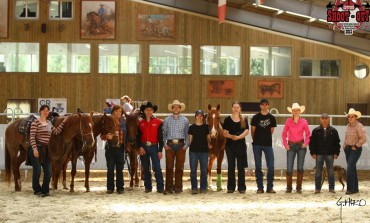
(68, 66)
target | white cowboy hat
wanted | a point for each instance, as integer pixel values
(296, 106)
(176, 102)
(353, 112)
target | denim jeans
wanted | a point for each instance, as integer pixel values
(36, 168)
(300, 152)
(202, 157)
(115, 160)
(269, 155)
(231, 182)
(151, 153)
(352, 156)
(329, 162)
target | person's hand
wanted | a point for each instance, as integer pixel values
(314, 156)
(304, 146)
(233, 137)
(160, 155)
(166, 147)
(184, 148)
(354, 148)
(36, 153)
(287, 148)
(335, 156)
(141, 151)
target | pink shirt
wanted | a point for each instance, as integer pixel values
(294, 131)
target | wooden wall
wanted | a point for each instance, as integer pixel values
(89, 91)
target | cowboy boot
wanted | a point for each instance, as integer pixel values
(289, 182)
(299, 181)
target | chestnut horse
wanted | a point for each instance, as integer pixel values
(103, 124)
(132, 122)
(218, 141)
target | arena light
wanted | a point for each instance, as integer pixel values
(299, 15)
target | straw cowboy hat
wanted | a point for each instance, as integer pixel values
(296, 106)
(353, 112)
(176, 102)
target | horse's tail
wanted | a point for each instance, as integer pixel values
(8, 164)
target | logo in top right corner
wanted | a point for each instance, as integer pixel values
(348, 15)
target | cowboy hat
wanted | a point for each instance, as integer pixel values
(176, 102)
(148, 105)
(125, 97)
(353, 112)
(296, 106)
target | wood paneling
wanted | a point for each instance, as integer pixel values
(88, 91)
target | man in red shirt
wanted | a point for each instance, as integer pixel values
(150, 142)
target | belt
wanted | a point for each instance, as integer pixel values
(295, 143)
(147, 143)
(175, 141)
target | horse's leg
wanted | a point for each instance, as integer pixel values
(88, 158)
(73, 173)
(15, 165)
(64, 182)
(136, 165)
(132, 158)
(219, 164)
(53, 170)
(210, 164)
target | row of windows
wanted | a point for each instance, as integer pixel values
(58, 9)
(163, 59)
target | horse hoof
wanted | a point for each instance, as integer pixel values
(130, 188)
(219, 189)
(65, 188)
(71, 190)
(136, 185)
(87, 190)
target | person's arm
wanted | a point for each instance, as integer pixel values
(160, 138)
(308, 134)
(361, 136)
(138, 137)
(273, 124)
(284, 135)
(336, 143)
(313, 144)
(253, 129)
(59, 129)
(186, 130)
(33, 133)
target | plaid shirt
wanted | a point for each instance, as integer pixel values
(176, 129)
(355, 135)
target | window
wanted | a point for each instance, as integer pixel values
(361, 71)
(27, 9)
(220, 60)
(68, 58)
(319, 68)
(115, 58)
(170, 59)
(270, 61)
(61, 9)
(19, 57)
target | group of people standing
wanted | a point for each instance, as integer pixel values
(175, 136)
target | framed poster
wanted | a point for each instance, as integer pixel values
(156, 27)
(98, 19)
(4, 18)
(270, 89)
(58, 105)
(220, 88)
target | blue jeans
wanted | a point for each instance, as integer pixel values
(202, 157)
(115, 160)
(301, 153)
(269, 155)
(151, 152)
(36, 168)
(329, 162)
(352, 156)
(232, 155)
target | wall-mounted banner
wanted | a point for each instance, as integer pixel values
(56, 104)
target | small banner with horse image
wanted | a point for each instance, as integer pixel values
(270, 89)
(220, 88)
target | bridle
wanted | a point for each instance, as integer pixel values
(84, 141)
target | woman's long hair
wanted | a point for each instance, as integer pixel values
(242, 120)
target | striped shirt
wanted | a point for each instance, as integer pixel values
(40, 133)
(176, 129)
(355, 135)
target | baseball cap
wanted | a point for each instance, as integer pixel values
(264, 100)
(197, 112)
(324, 115)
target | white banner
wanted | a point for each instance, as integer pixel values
(58, 105)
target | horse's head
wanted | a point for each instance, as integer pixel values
(132, 122)
(104, 124)
(213, 120)
(86, 128)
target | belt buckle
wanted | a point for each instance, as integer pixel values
(175, 141)
(147, 143)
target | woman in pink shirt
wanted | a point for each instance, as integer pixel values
(296, 137)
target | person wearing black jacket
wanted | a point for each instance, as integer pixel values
(324, 146)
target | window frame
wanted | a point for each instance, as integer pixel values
(319, 77)
(61, 10)
(18, 59)
(26, 2)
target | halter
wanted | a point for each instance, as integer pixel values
(84, 142)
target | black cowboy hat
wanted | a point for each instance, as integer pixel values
(148, 105)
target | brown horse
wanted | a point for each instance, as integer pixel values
(103, 124)
(132, 122)
(218, 141)
(61, 146)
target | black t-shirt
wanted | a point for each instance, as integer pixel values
(199, 142)
(263, 124)
(235, 128)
